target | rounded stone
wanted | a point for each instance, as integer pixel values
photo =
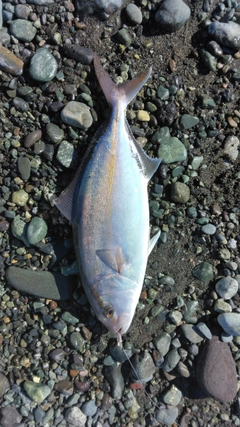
(54, 133)
(74, 416)
(209, 229)
(171, 360)
(23, 30)
(227, 287)
(220, 306)
(226, 33)
(230, 322)
(203, 272)
(89, 408)
(77, 114)
(37, 230)
(24, 167)
(162, 343)
(172, 15)
(134, 14)
(143, 116)
(20, 197)
(191, 333)
(180, 192)
(172, 396)
(4, 384)
(172, 150)
(188, 121)
(167, 416)
(43, 73)
(77, 341)
(36, 391)
(65, 154)
(216, 370)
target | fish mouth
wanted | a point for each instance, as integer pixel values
(124, 321)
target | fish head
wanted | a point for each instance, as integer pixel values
(114, 300)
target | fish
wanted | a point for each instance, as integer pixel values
(107, 205)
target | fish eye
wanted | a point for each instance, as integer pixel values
(109, 311)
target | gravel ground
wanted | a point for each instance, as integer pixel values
(58, 365)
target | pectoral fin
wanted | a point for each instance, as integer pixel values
(153, 242)
(113, 258)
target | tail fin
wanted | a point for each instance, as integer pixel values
(125, 92)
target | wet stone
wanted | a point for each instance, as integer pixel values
(208, 60)
(10, 63)
(227, 287)
(171, 360)
(144, 366)
(69, 318)
(36, 230)
(20, 104)
(24, 167)
(32, 137)
(203, 272)
(23, 30)
(162, 343)
(77, 114)
(65, 387)
(74, 416)
(42, 284)
(36, 391)
(216, 370)
(57, 354)
(40, 73)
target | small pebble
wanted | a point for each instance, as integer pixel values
(230, 322)
(36, 230)
(227, 287)
(77, 114)
(36, 391)
(74, 416)
(134, 14)
(23, 30)
(37, 71)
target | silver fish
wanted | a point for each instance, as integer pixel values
(107, 204)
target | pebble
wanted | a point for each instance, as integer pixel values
(37, 71)
(22, 11)
(171, 360)
(9, 416)
(89, 408)
(191, 333)
(19, 229)
(231, 147)
(144, 367)
(216, 370)
(77, 341)
(74, 416)
(23, 30)
(134, 14)
(41, 284)
(204, 330)
(226, 33)
(65, 154)
(172, 15)
(81, 54)
(32, 137)
(167, 415)
(124, 37)
(172, 396)
(227, 287)
(77, 114)
(10, 63)
(180, 192)
(162, 343)
(113, 375)
(171, 150)
(36, 391)
(188, 121)
(230, 322)
(20, 197)
(208, 60)
(24, 167)
(209, 229)
(54, 133)
(36, 230)
(220, 306)
(4, 384)
(143, 116)
(203, 272)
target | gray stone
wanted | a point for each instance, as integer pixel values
(24, 167)
(162, 343)
(36, 391)
(191, 333)
(19, 229)
(10, 63)
(209, 229)
(9, 416)
(144, 367)
(89, 408)
(180, 192)
(231, 147)
(74, 416)
(81, 54)
(230, 322)
(220, 306)
(208, 60)
(162, 93)
(77, 114)
(20, 104)
(167, 416)
(4, 384)
(22, 11)
(113, 375)
(227, 287)
(23, 30)
(172, 396)
(54, 133)
(43, 73)
(65, 154)
(41, 284)
(37, 230)
(171, 360)
(124, 37)
(69, 318)
(77, 341)
(204, 330)
(226, 33)
(172, 15)
(134, 14)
